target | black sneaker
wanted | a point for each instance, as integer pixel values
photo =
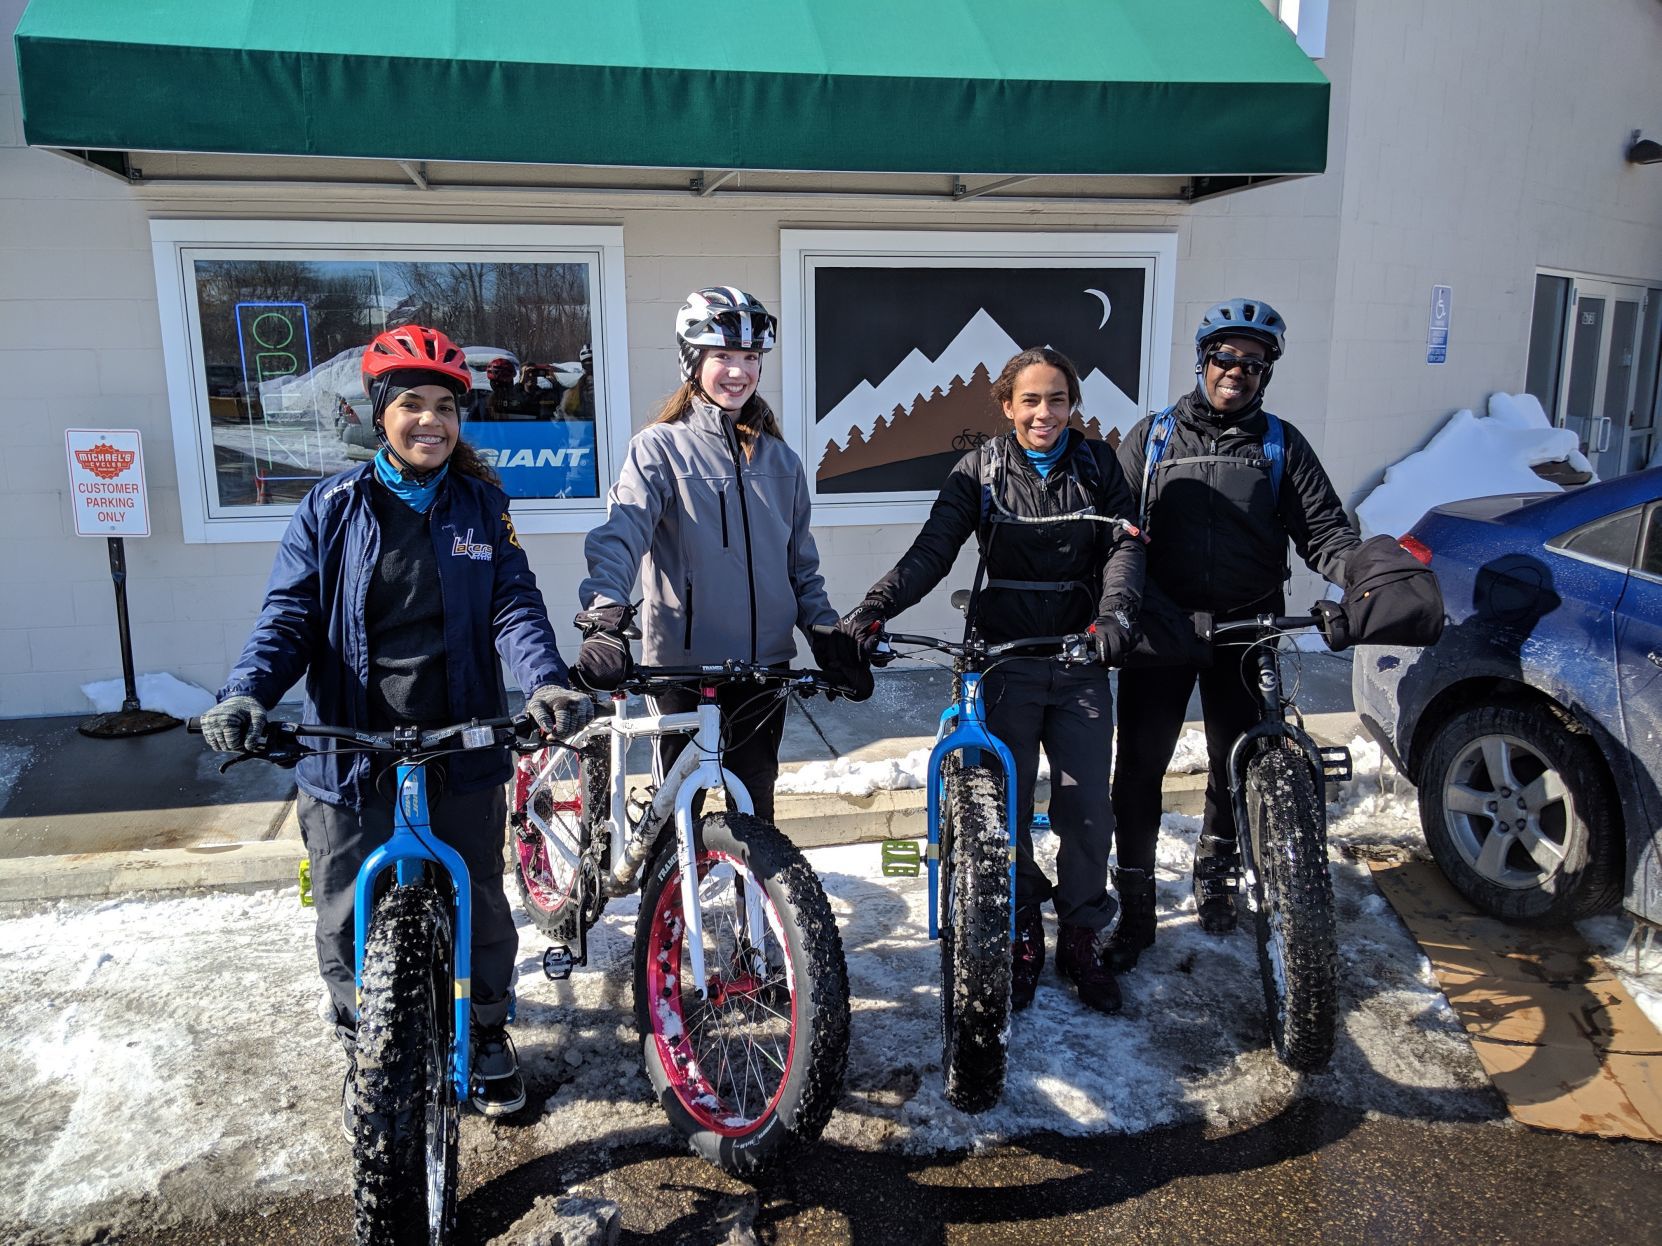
(1216, 882)
(1027, 956)
(349, 1098)
(498, 1088)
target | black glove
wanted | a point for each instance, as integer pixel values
(861, 625)
(838, 655)
(559, 712)
(603, 662)
(1334, 624)
(235, 725)
(1114, 635)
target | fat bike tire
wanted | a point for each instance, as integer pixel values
(1293, 893)
(975, 937)
(405, 1148)
(750, 1073)
(572, 796)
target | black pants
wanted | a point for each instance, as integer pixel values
(752, 723)
(339, 840)
(1152, 703)
(1069, 711)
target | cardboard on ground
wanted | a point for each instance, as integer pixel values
(1560, 1037)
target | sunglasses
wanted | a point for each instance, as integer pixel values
(1225, 360)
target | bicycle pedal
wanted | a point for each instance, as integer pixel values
(1040, 823)
(900, 858)
(558, 962)
(1336, 767)
(306, 884)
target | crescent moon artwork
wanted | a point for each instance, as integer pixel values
(1107, 307)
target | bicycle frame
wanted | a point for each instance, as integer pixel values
(405, 853)
(963, 727)
(697, 768)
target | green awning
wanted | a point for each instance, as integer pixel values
(1155, 87)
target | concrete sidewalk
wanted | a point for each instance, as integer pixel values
(84, 818)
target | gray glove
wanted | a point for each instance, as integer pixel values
(558, 711)
(235, 725)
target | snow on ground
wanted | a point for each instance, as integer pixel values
(156, 691)
(14, 760)
(1471, 457)
(172, 1049)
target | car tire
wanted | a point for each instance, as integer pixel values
(1519, 815)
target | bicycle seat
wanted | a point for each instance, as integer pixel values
(960, 600)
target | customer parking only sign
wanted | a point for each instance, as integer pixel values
(106, 482)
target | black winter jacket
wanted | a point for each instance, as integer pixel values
(1099, 557)
(1217, 532)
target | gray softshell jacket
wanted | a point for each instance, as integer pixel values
(727, 563)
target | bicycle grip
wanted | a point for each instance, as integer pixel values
(193, 725)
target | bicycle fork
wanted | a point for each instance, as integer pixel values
(406, 852)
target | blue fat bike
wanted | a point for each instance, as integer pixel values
(971, 859)
(413, 1050)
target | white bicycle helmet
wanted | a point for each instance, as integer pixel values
(721, 316)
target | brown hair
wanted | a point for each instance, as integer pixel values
(753, 419)
(465, 459)
(1004, 388)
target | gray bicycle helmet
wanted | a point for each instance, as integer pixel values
(1252, 318)
(721, 316)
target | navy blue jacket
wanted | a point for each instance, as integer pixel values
(313, 623)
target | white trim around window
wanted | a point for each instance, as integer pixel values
(177, 246)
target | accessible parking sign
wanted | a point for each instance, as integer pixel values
(106, 482)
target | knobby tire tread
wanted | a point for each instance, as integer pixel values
(814, 1084)
(975, 940)
(409, 941)
(1295, 892)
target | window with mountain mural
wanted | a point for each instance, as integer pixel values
(903, 360)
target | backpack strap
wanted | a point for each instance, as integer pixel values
(1275, 450)
(1159, 433)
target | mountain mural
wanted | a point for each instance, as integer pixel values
(905, 432)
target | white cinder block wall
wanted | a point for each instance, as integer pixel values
(1468, 145)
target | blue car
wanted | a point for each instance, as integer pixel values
(1533, 728)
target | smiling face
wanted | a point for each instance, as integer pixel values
(1039, 406)
(423, 426)
(729, 376)
(1230, 389)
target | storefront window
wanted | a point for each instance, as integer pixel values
(275, 339)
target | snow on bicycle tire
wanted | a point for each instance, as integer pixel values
(1297, 946)
(975, 938)
(748, 1074)
(405, 1149)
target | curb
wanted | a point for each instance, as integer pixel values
(809, 820)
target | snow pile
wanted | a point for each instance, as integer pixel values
(1471, 457)
(157, 691)
(1377, 808)
(845, 777)
(1189, 757)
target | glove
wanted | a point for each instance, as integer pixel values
(838, 655)
(603, 662)
(1334, 624)
(1114, 635)
(235, 725)
(862, 625)
(559, 711)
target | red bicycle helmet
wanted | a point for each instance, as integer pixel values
(416, 348)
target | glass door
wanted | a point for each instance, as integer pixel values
(1606, 362)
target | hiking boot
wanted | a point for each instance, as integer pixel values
(498, 1088)
(1216, 881)
(1081, 958)
(1136, 929)
(1027, 955)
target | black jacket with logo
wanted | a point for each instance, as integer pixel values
(1217, 530)
(1106, 564)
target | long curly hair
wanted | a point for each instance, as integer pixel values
(465, 459)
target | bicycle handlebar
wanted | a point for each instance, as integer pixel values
(732, 671)
(1075, 647)
(282, 742)
(1265, 624)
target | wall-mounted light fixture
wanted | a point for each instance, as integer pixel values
(1643, 150)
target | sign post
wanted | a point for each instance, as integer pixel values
(107, 493)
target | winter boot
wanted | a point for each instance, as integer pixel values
(1217, 879)
(1027, 955)
(498, 1088)
(1081, 958)
(1136, 929)
(349, 1096)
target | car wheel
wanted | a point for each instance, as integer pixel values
(1519, 815)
